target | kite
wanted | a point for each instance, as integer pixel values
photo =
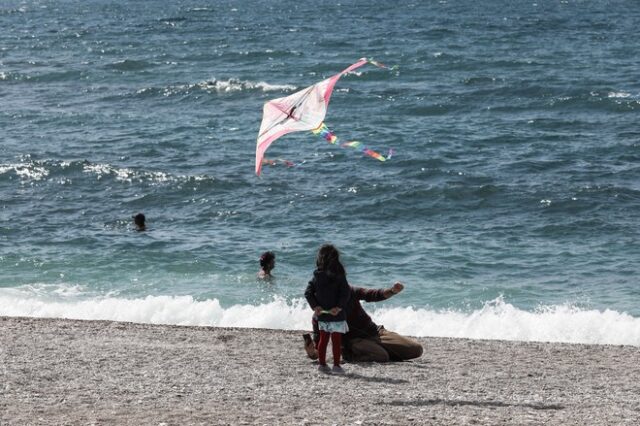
(303, 111)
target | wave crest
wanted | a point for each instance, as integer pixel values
(231, 85)
(496, 320)
(40, 170)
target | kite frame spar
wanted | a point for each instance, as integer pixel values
(303, 110)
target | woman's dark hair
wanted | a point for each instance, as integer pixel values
(328, 260)
(267, 258)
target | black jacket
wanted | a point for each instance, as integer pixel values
(328, 291)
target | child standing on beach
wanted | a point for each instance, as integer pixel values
(328, 294)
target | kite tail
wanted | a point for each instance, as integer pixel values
(323, 131)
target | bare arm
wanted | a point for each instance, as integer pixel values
(393, 290)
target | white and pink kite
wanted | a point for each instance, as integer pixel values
(303, 111)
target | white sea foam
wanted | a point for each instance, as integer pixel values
(236, 85)
(219, 86)
(43, 290)
(125, 174)
(496, 320)
(618, 95)
(36, 171)
(26, 171)
(503, 321)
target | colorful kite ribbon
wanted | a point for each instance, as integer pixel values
(323, 131)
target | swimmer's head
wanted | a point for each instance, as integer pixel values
(139, 221)
(267, 261)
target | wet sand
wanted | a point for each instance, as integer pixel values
(55, 371)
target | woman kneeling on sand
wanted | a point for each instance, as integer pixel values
(365, 341)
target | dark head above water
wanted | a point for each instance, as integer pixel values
(267, 263)
(139, 221)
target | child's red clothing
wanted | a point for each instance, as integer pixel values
(336, 342)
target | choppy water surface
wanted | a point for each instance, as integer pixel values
(510, 209)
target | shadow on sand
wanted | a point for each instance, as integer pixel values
(491, 404)
(372, 379)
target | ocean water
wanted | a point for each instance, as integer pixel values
(510, 208)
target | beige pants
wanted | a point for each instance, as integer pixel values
(387, 346)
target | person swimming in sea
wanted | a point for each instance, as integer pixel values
(139, 221)
(267, 263)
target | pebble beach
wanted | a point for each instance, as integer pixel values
(58, 371)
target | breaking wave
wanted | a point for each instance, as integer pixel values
(496, 320)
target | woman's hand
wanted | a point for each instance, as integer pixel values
(335, 311)
(393, 290)
(317, 310)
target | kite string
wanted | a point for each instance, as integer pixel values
(381, 65)
(282, 161)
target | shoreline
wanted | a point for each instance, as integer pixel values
(59, 371)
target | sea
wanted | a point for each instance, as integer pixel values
(509, 209)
